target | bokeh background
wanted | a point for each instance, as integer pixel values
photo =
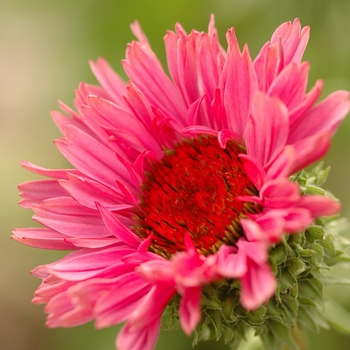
(45, 46)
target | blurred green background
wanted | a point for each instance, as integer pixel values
(44, 49)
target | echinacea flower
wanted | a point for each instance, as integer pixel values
(184, 188)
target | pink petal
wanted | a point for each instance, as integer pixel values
(144, 69)
(267, 130)
(55, 174)
(265, 228)
(283, 165)
(293, 40)
(143, 338)
(253, 169)
(319, 206)
(126, 126)
(117, 228)
(190, 310)
(308, 101)
(125, 295)
(290, 85)
(309, 150)
(67, 216)
(86, 263)
(209, 49)
(34, 192)
(42, 238)
(238, 85)
(152, 306)
(92, 243)
(322, 118)
(258, 285)
(229, 264)
(280, 193)
(87, 192)
(109, 80)
(157, 271)
(92, 158)
(255, 251)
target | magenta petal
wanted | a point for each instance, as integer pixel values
(265, 228)
(92, 158)
(258, 285)
(238, 85)
(309, 150)
(322, 118)
(55, 174)
(293, 40)
(120, 299)
(34, 192)
(152, 306)
(143, 338)
(86, 263)
(319, 206)
(144, 69)
(226, 135)
(190, 311)
(255, 251)
(280, 193)
(42, 238)
(109, 80)
(157, 271)
(92, 243)
(267, 130)
(68, 217)
(253, 169)
(87, 192)
(296, 219)
(290, 85)
(282, 166)
(229, 263)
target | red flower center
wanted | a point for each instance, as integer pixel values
(194, 189)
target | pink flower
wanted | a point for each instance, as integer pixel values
(178, 182)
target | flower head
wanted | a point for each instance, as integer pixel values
(181, 188)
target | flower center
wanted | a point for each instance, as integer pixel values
(194, 190)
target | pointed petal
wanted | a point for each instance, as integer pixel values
(109, 80)
(324, 117)
(267, 130)
(238, 85)
(117, 228)
(190, 311)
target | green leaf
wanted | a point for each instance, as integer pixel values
(315, 232)
(338, 317)
(291, 303)
(282, 333)
(331, 280)
(303, 252)
(311, 289)
(228, 308)
(228, 334)
(317, 258)
(270, 341)
(286, 282)
(273, 311)
(215, 317)
(296, 266)
(306, 320)
(312, 318)
(278, 254)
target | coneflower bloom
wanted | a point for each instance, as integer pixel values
(179, 183)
